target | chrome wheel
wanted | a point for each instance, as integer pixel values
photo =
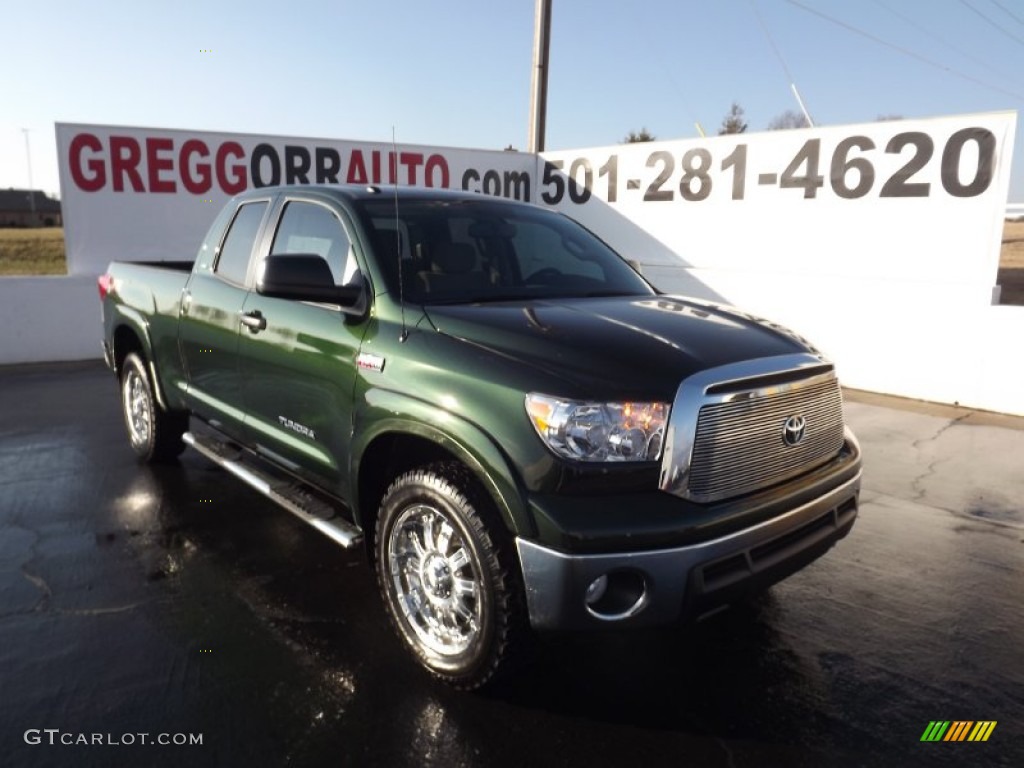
(154, 433)
(436, 578)
(138, 408)
(445, 569)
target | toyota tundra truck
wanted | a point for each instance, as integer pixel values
(523, 432)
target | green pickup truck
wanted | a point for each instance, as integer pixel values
(523, 431)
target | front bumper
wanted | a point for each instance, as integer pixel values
(687, 581)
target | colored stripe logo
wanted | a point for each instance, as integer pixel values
(958, 730)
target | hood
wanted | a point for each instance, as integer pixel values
(631, 347)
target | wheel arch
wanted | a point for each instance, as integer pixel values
(399, 445)
(131, 334)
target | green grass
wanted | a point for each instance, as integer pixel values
(32, 251)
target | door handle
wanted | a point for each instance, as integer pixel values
(186, 301)
(254, 321)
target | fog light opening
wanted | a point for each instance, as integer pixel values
(616, 595)
(596, 590)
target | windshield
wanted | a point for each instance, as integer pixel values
(464, 251)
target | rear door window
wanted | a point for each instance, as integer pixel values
(236, 250)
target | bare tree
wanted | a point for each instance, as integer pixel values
(733, 122)
(788, 120)
(634, 137)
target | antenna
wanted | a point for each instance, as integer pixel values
(398, 240)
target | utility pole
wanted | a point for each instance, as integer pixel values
(31, 190)
(539, 82)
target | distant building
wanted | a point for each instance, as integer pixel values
(28, 208)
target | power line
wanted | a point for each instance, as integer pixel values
(782, 61)
(1008, 12)
(905, 51)
(771, 42)
(912, 22)
(994, 24)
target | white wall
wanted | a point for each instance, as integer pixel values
(49, 318)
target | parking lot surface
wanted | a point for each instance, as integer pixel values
(175, 602)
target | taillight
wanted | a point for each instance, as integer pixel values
(106, 285)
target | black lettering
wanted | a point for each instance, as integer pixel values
(580, 193)
(654, 190)
(696, 163)
(737, 160)
(471, 176)
(297, 164)
(261, 152)
(811, 180)
(611, 170)
(842, 164)
(328, 163)
(492, 184)
(899, 184)
(517, 185)
(951, 156)
(553, 178)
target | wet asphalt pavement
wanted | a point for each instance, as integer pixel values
(175, 601)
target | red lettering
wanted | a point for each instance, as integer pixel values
(375, 162)
(357, 168)
(435, 162)
(239, 180)
(392, 167)
(97, 170)
(412, 161)
(124, 161)
(155, 164)
(199, 184)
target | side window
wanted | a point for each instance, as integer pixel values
(311, 228)
(233, 261)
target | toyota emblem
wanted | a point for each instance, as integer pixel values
(793, 430)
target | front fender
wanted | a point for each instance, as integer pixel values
(384, 412)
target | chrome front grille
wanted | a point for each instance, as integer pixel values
(727, 429)
(740, 444)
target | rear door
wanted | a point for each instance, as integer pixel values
(299, 370)
(210, 319)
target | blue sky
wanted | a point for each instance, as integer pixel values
(457, 73)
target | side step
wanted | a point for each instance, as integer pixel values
(289, 495)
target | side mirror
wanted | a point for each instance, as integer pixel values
(304, 277)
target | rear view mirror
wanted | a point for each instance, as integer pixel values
(304, 277)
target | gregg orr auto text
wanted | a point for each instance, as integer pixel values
(160, 164)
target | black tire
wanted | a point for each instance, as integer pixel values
(447, 576)
(153, 433)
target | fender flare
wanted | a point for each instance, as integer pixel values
(137, 323)
(406, 415)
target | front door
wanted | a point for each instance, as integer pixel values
(299, 370)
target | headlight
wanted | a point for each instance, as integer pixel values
(587, 431)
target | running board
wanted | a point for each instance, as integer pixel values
(289, 495)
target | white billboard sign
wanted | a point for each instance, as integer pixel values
(903, 201)
(149, 194)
